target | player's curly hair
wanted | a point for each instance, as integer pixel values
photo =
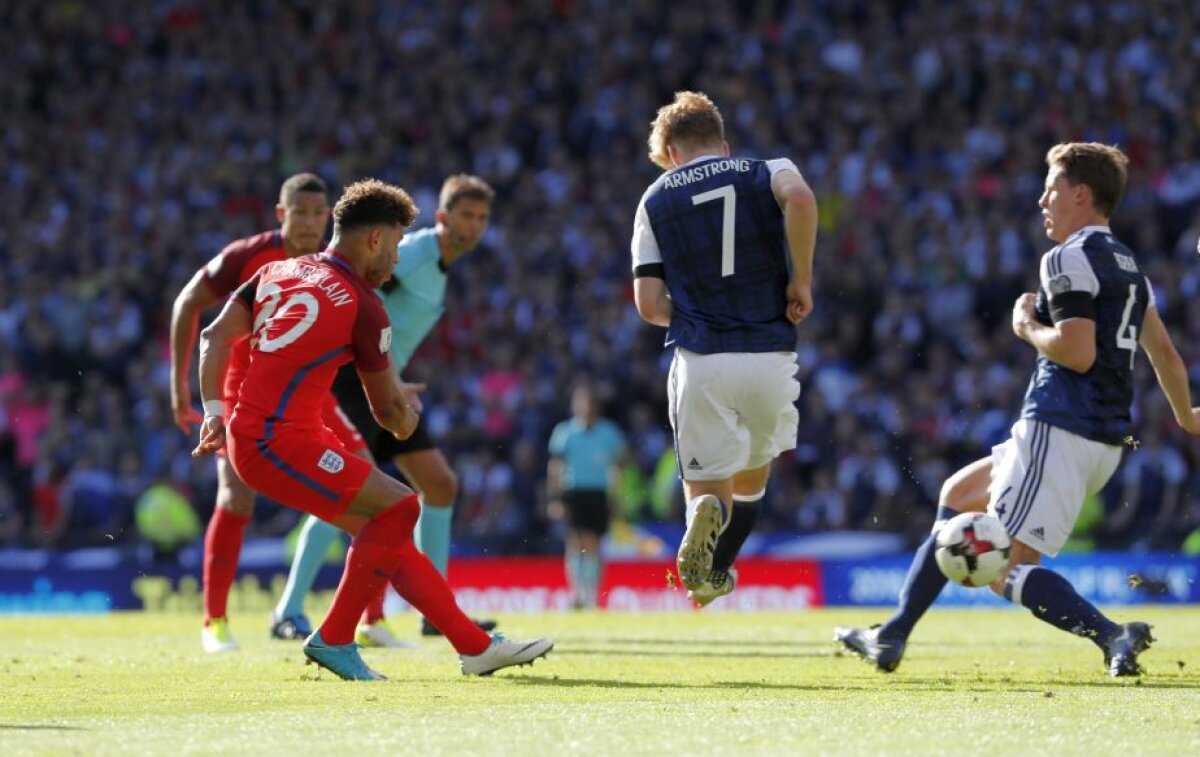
(691, 120)
(301, 182)
(371, 202)
(464, 186)
(1102, 168)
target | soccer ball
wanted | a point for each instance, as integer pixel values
(972, 549)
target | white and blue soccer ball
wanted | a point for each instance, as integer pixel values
(972, 549)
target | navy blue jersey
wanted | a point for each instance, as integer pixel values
(713, 231)
(1091, 275)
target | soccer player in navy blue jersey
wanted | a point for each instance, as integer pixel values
(1092, 310)
(722, 257)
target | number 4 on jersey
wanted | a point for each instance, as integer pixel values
(729, 197)
(1127, 332)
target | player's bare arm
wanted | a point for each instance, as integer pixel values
(1071, 342)
(391, 410)
(216, 344)
(799, 206)
(185, 316)
(650, 296)
(1170, 370)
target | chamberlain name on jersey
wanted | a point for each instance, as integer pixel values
(1090, 275)
(713, 231)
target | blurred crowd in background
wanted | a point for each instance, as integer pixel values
(139, 138)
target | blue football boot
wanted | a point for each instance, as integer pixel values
(342, 660)
(291, 628)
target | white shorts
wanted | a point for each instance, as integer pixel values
(1040, 478)
(731, 410)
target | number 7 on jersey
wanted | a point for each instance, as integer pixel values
(729, 197)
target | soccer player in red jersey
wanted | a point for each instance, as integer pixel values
(303, 214)
(304, 318)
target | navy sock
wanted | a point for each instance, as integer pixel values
(1052, 598)
(742, 518)
(922, 585)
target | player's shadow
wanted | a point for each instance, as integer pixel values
(603, 683)
(707, 641)
(684, 651)
(38, 727)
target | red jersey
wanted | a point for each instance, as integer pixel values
(311, 315)
(232, 267)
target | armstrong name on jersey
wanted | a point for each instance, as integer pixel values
(684, 176)
(713, 231)
(1090, 275)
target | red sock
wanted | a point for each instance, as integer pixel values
(426, 590)
(370, 563)
(222, 548)
(374, 611)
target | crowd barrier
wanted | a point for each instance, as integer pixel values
(101, 581)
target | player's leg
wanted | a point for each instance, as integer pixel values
(587, 521)
(316, 536)
(382, 551)
(1040, 518)
(573, 565)
(749, 486)
(711, 446)
(222, 549)
(708, 507)
(965, 491)
(430, 473)
(748, 489)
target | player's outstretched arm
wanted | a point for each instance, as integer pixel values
(799, 206)
(391, 408)
(1170, 370)
(216, 343)
(185, 315)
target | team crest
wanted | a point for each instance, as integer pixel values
(385, 339)
(331, 462)
(1060, 284)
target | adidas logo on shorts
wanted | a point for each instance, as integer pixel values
(1038, 533)
(694, 465)
(331, 462)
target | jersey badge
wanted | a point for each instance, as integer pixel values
(331, 462)
(385, 339)
(1060, 284)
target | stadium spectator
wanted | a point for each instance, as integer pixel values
(136, 145)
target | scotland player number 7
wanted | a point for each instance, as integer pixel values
(729, 197)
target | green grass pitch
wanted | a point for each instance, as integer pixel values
(986, 681)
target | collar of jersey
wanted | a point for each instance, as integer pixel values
(699, 158)
(1086, 229)
(337, 257)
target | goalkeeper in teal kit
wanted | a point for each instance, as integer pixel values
(414, 299)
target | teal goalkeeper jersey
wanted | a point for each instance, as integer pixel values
(416, 301)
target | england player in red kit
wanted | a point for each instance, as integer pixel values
(305, 318)
(303, 213)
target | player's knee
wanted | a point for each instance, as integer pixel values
(235, 500)
(442, 488)
(399, 518)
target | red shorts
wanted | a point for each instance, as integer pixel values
(341, 425)
(313, 473)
